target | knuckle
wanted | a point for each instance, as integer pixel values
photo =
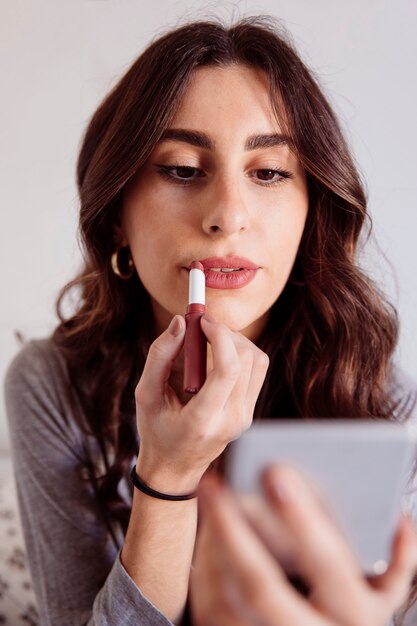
(237, 427)
(143, 397)
(246, 356)
(157, 349)
(247, 422)
(231, 435)
(262, 360)
(139, 389)
(201, 434)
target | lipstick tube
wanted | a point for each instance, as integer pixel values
(195, 342)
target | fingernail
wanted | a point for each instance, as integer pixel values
(175, 326)
(207, 318)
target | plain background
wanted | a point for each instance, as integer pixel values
(60, 57)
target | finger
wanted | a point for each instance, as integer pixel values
(396, 581)
(254, 365)
(257, 379)
(158, 365)
(212, 598)
(226, 368)
(211, 601)
(241, 388)
(325, 561)
(262, 586)
(237, 403)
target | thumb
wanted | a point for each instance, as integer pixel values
(162, 353)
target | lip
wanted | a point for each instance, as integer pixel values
(233, 280)
(230, 261)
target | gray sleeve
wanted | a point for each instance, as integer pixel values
(75, 566)
(404, 391)
(120, 601)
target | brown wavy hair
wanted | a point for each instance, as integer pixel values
(330, 336)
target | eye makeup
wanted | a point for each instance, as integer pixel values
(167, 172)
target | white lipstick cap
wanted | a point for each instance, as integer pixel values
(197, 287)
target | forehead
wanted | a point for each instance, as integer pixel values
(232, 92)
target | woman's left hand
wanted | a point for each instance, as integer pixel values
(236, 581)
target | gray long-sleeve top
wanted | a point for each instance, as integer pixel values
(77, 574)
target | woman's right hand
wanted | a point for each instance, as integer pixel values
(178, 442)
(236, 580)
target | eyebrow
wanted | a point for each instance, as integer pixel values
(201, 140)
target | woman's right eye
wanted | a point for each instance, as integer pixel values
(183, 176)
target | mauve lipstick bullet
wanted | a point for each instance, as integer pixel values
(195, 342)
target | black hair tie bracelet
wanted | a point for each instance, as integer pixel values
(139, 484)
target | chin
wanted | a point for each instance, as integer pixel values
(233, 317)
(250, 326)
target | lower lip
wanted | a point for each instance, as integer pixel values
(229, 280)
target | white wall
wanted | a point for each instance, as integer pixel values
(58, 59)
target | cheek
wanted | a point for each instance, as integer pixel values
(284, 234)
(283, 243)
(143, 245)
(143, 229)
(151, 223)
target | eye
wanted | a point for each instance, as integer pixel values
(184, 173)
(187, 175)
(272, 176)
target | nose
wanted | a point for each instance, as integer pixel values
(225, 212)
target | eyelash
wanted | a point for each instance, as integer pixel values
(165, 172)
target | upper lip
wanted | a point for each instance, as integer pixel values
(227, 262)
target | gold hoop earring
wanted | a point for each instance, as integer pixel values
(122, 263)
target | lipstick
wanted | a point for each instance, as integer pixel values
(232, 272)
(195, 343)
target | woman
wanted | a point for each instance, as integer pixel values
(216, 144)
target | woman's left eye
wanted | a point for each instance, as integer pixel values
(271, 176)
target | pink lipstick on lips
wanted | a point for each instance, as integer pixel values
(228, 272)
(195, 343)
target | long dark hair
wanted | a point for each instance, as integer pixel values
(330, 335)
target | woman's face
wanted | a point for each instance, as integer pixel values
(211, 190)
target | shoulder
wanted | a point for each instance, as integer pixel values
(40, 401)
(38, 365)
(36, 353)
